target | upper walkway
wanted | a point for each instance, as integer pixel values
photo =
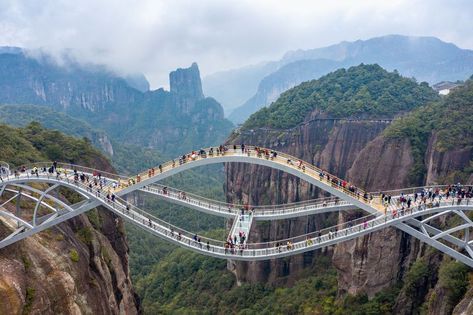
(260, 156)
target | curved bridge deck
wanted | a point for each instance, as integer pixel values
(415, 219)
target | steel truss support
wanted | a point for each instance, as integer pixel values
(59, 211)
(461, 248)
(52, 220)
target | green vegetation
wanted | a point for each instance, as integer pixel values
(74, 255)
(364, 91)
(170, 279)
(450, 118)
(416, 278)
(453, 277)
(26, 262)
(22, 115)
(86, 235)
(29, 297)
(126, 158)
(35, 143)
(189, 283)
(94, 218)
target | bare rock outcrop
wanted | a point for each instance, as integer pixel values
(74, 268)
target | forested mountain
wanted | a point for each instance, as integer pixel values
(446, 125)
(126, 158)
(272, 85)
(125, 124)
(172, 122)
(364, 91)
(425, 58)
(383, 273)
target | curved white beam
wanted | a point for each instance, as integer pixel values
(259, 214)
(32, 198)
(280, 162)
(40, 192)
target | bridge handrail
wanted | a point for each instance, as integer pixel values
(261, 208)
(113, 176)
(359, 223)
(120, 201)
(71, 167)
(417, 189)
(166, 226)
(317, 233)
(250, 151)
(339, 229)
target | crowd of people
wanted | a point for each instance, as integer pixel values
(237, 243)
(431, 197)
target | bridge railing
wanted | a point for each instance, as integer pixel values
(412, 190)
(120, 204)
(326, 178)
(190, 198)
(439, 191)
(145, 218)
(69, 168)
(330, 232)
(348, 228)
(221, 206)
(281, 158)
(333, 232)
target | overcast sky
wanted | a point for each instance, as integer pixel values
(157, 36)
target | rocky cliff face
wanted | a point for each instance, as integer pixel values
(186, 89)
(73, 89)
(359, 153)
(186, 84)
(180, 120)
(332, 145)
(41, 275)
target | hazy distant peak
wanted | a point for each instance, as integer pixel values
(187, 82)
(10, 50)
(392, 44)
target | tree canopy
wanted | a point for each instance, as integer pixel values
(364, 91)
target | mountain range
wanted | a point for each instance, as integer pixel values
(424, 58)
(172, 121)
